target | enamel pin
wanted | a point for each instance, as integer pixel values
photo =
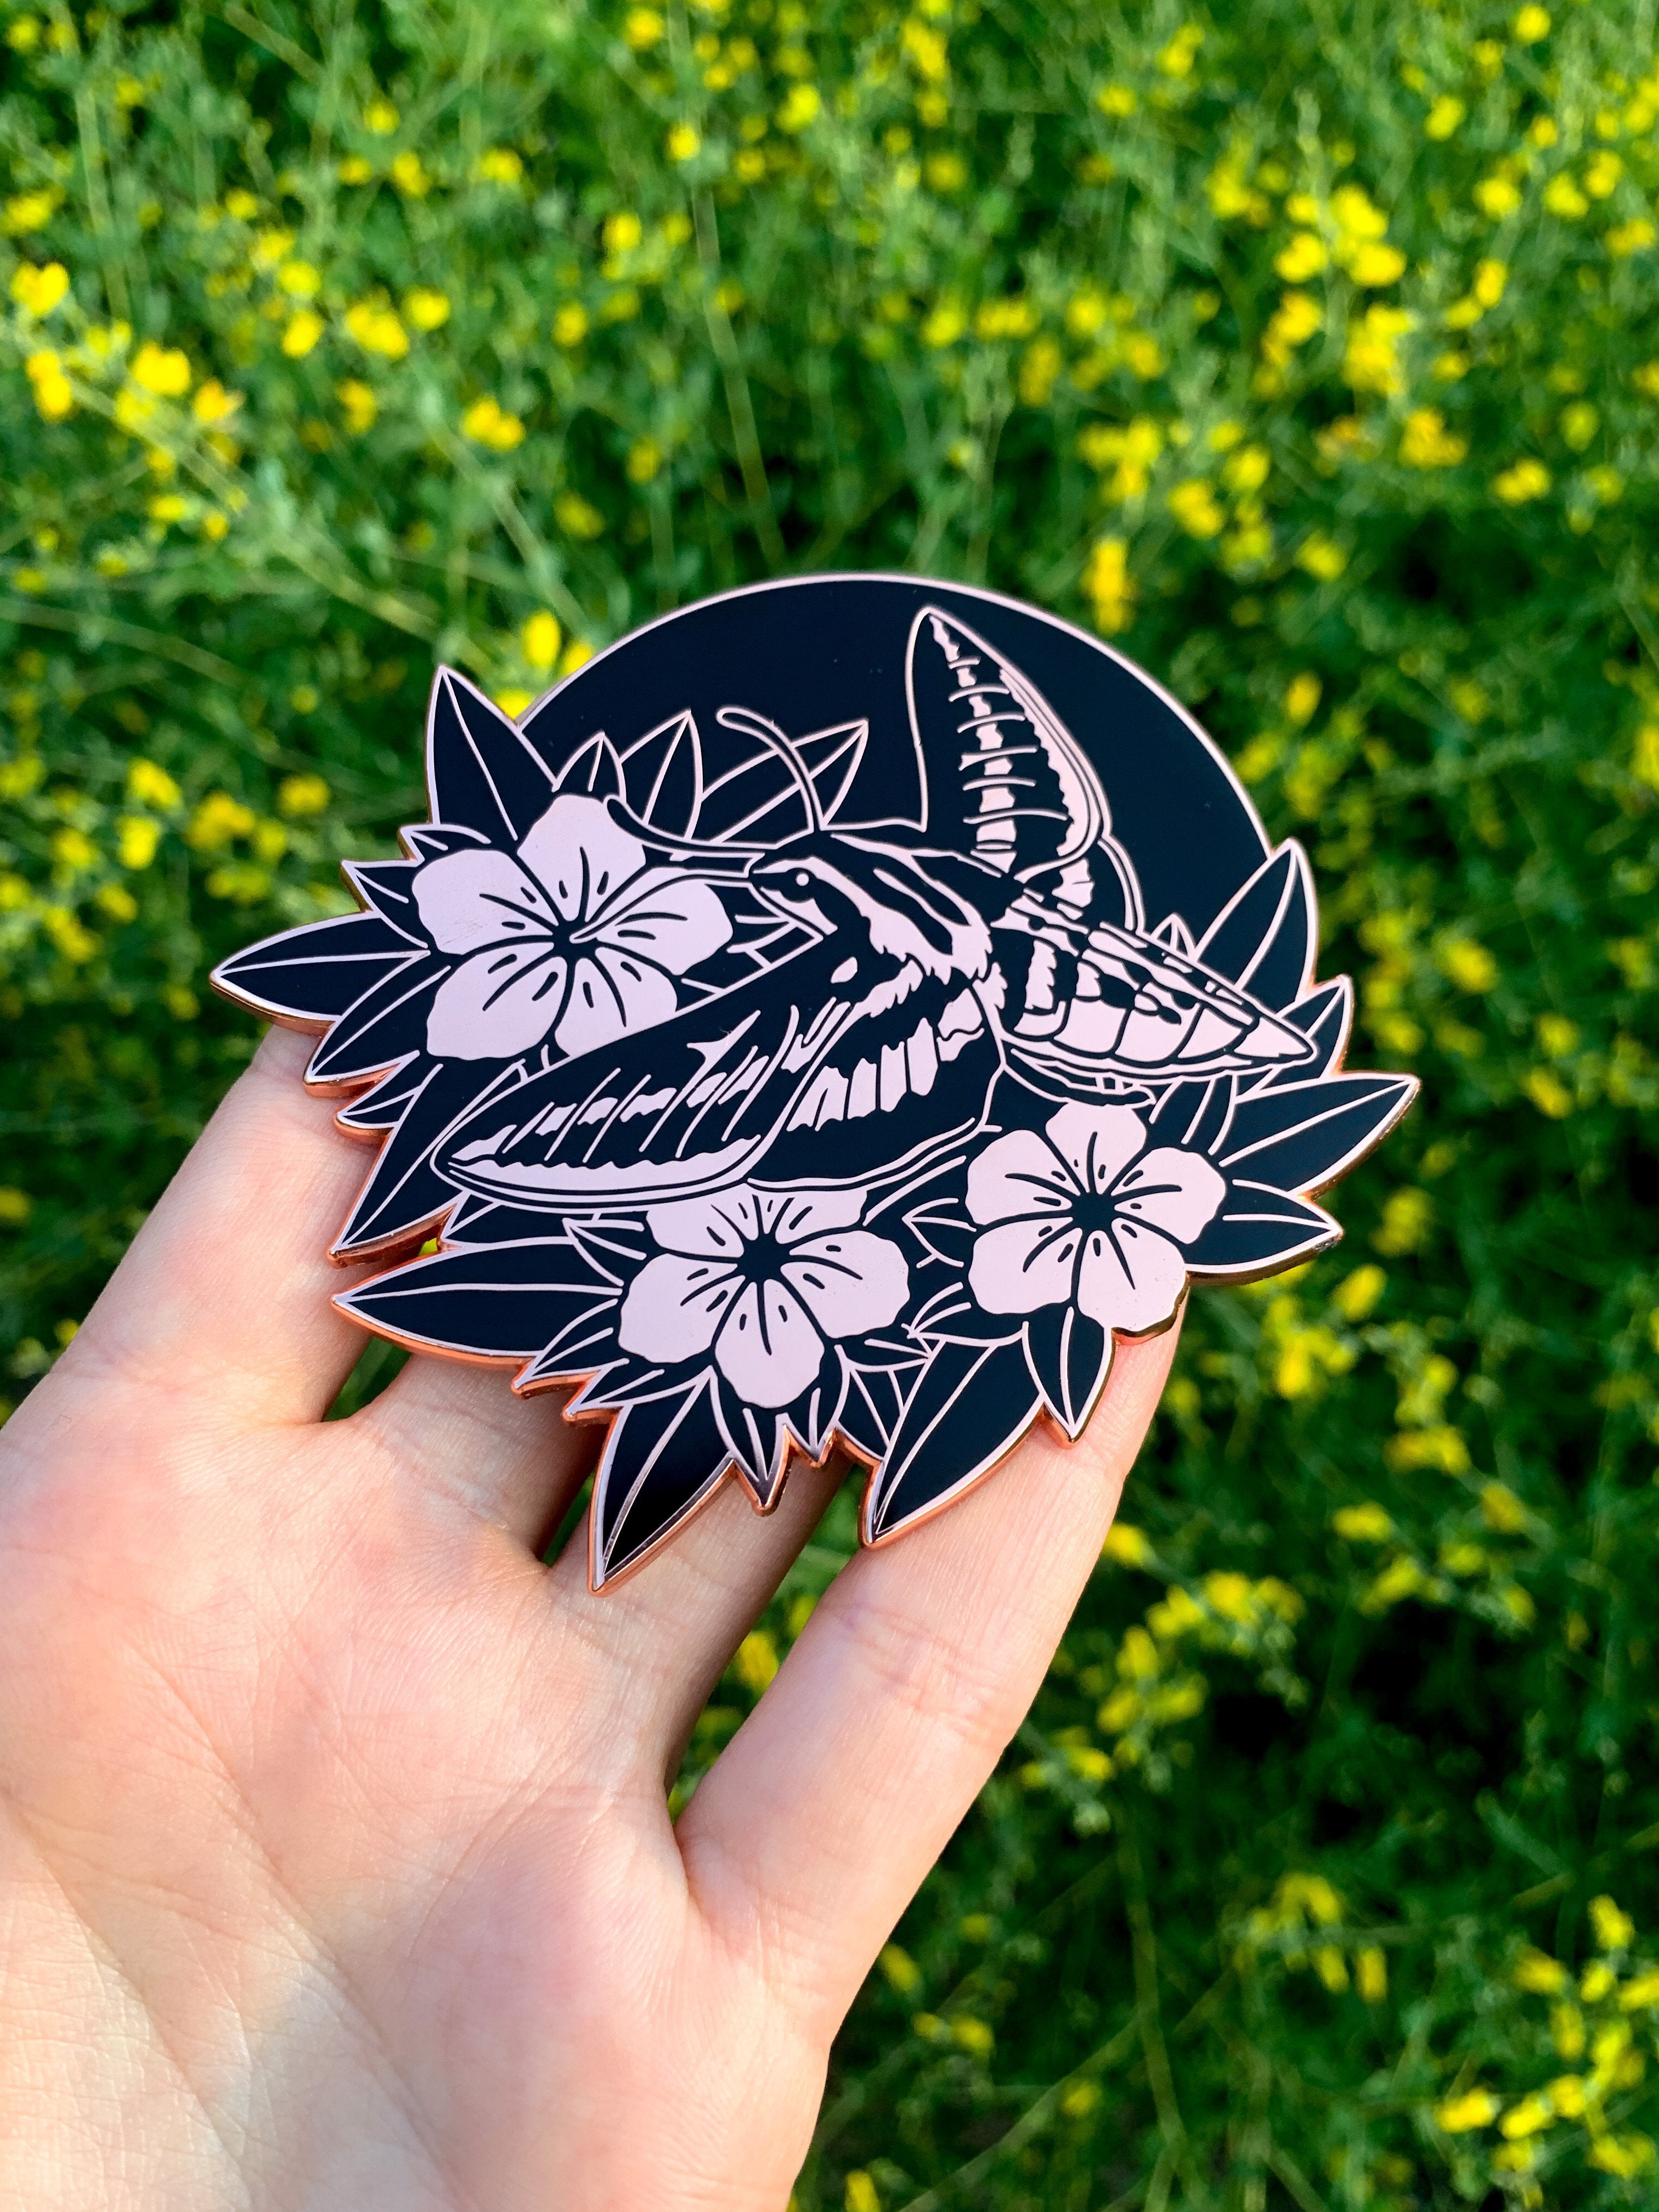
(829, 1017)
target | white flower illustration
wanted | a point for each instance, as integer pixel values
(575, 936)
(1085, 1213)
(767, 1279)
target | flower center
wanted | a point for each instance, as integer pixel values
(762, 1258)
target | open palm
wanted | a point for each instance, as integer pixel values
(336, 1864)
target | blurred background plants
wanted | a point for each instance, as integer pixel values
(1307, 351)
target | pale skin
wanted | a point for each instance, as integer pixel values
(336, 1864)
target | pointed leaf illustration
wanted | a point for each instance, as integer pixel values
(500, 1301)
(1264, 938)
(871, 1410)
(1193, 1115)
(385, 886)
(595, 770)
(1069, 1357)
(384, 1104)
(970, 1407)
(385, 1025)
(1259, 1230)
(1302, 1136)
(1325, 1016)
(481, 771)
(951, 1316)
(661, 1461)
(754, 791)
(832, 759)
(404, 1193)
(315, 973)
(663, 776)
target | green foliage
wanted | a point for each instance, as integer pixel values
(1304, 349)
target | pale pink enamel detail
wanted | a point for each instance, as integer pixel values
(1027, 1191)
(576, 936)
(768, 1333)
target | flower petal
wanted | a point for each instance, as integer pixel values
(768, 1350)
(1016, 1176)
(580, 855)
(1097, 1142)
(849, 1281)
(467, 900)
(716, 1227)
(667, 917)
(674, 1306)
(1174, 1191)
(790, 1215)
(1022, 1265)
(497, 1004)
(1130, 1277)
(611, 995)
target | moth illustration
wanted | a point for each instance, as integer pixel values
(778, 1080)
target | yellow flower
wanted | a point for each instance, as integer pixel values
(1531, 24)
(377, 329)
(1117, 99)
(683, 142)
(645, 459)
(642, 28)
(1371, 1971)
(926, 50)
(801, 104)
(1563, 197)
(217, 820)
(1641, 1992)
(498, 165)
(151, 786)
(1305, 257)
(860, 2193)
(1363, 1524)
(900, 1969)
(381, 118)
(1426, 442)
(1322, 557)
(427, 309)
(54, 397)
(945, 325)
(576, 516)
(1176, 59)
(408, 176)
(1614, 1930)
(972, 2035)
(299, 280)
(1374, 266)
(570, 324)
(539, 641)
(1127, 1545)
(38, 291)
(945, 172)
(28, 211)
(1529, 2117)
(302, 794)
(136, 840)
(756, 1662)
(1622, 2155)
(1522, 480)
(302, 332)
(622, 233)
(1109, 586)
(1548, 1093)
(1475, 2108)
(513, 699)
(168, 507)
(213, 404)
(1293, 322)
(1371, 362)
(1627, 238)
(360, 404)
(486, 424)
(577, 653)
(164, 370)
(1602, 178)
(354, 170)
(1497, 197)
(1444, 117)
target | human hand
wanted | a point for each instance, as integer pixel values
(336, 1864)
